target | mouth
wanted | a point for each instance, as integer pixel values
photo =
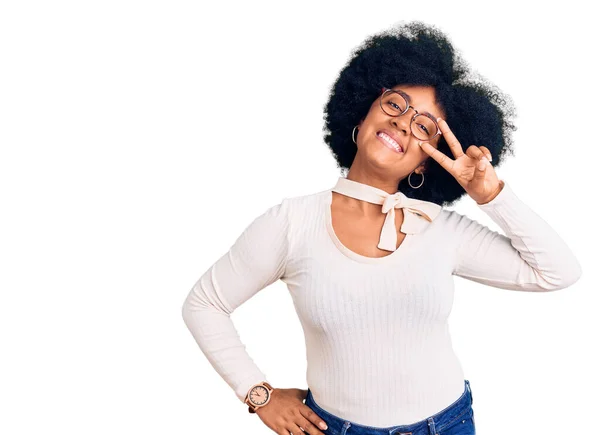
(388, 140)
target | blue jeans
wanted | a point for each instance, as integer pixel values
(455, 419)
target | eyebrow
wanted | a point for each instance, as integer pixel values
(410, 102)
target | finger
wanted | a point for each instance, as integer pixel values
(481, 168)
(305, 428)
(308, 427)
(487, 152)
(475, 153)
(446, 162)
(451, 140)
(295, 431)
(312, 418)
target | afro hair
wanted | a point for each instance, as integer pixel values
(420, 55)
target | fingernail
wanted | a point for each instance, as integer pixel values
(419, 142)
(490, 158)
(323, 425)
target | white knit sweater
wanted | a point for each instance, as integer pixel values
(378, 348)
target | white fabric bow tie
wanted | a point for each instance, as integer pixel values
(420, 213)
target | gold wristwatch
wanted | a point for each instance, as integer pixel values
(258, 396)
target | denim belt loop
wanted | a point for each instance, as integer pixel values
(431, 425)
(470, 391)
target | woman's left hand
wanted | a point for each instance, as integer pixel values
(472, 169)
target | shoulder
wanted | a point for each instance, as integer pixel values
(307, 200)
(300, 206)
(296, 208)
(445, 218)
(449, 217)
(451, 225)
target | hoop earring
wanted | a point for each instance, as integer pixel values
(353, 134)
(422, 180)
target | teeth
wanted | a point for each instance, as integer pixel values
(390, 141)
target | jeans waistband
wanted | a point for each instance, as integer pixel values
(459, 409)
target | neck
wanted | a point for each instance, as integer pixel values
(365, 208)
(384, 183)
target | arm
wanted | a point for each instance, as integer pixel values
(256, 260)
(530, 257)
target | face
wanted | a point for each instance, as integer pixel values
(373, 149)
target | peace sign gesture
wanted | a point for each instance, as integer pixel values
(472, 169)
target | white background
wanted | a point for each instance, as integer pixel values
(124, 175)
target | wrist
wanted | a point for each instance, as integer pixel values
(258, 396)
(494, 195)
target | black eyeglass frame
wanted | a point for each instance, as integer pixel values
(408, 106)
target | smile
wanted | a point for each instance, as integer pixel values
(391, 143)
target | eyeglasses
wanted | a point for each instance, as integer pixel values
(396, 103)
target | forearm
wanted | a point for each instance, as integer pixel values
(531, 256)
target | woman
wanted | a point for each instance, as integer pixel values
(370, 262)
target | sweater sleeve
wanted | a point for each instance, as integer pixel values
(256, 260)
(530, 257)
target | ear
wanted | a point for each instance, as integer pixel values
(421, 169)
(360, 123)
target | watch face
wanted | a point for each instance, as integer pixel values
(259, 395)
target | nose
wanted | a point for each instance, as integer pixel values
(402, 123)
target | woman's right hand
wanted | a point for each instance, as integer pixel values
(287, 414)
